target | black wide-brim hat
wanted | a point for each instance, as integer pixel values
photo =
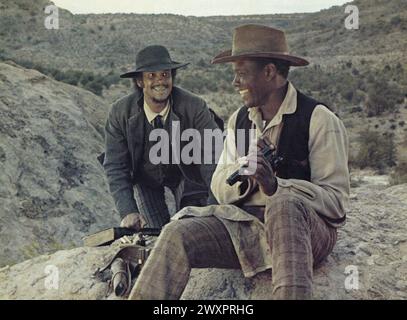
(151, 59)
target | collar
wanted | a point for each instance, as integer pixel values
(150, 115)
(288, 106)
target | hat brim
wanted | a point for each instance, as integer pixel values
(227, 56)
(168, 66)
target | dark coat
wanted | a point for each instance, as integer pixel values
(124, 138)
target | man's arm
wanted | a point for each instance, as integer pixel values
(328, 191)
(118, 166)
(228, 164)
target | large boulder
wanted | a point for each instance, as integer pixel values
(53, 191)
(368, 262)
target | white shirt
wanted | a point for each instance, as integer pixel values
(150, 114)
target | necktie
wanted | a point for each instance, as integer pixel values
(158, 122)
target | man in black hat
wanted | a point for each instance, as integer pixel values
(137, 181)
(280, 216)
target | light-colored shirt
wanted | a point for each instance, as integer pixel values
(150, 114)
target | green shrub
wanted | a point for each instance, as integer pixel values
(382, 97)
(355, 109)
(395, 21)
(375, 150)
(95, 87)
(399, 174)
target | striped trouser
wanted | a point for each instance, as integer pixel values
(299, 239)
(152, 205)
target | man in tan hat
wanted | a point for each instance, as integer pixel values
(136, 181)
(281, 215)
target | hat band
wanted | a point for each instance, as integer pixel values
(251, 52)
(154, 63)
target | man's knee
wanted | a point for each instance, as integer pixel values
(172, 231)
(285, 206)
(281, 202)
(177, 232)
(179, 236)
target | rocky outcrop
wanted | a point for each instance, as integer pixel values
(369, 261)
(52, 189)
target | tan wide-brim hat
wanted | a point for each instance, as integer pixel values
(257, 41)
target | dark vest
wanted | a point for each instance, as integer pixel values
(293, 141)
(161, 174)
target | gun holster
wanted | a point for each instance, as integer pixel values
(125, 266)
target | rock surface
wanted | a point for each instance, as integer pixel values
(368, 262)
(52, 189)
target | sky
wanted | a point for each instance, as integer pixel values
(197, 7)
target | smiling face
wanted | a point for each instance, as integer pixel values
(157, 87)
(251, 83)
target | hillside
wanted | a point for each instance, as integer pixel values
(361, 74)
(108, 41)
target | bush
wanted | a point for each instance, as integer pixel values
(356, 109)
(395, 21)
(375, 150)
(95, 87)
(348, 95)
(381, 98)
(399, 175)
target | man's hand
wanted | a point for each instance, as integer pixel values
(133, 221)
(263, 174)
